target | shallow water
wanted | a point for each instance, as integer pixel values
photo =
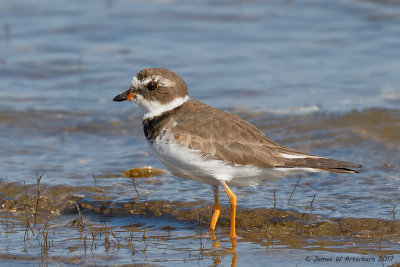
(318, 77)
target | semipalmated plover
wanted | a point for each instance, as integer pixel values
(205, 144)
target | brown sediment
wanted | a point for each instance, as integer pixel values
(57, 200)
(375, 124)
(143, 172)
(288, 228)
(275, 221)
(380, 125)
(138, 172)
(269, 228)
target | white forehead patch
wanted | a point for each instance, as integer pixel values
(162, 81)
(135, 82)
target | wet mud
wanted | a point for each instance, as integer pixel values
(36, 210)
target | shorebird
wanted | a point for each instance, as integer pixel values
(205, 144)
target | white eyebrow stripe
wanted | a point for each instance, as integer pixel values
(163, 81)
(158, 78)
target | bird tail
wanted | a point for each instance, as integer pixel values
(339, 170)
(322, 164)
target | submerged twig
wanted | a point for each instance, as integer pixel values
(116, 237)
(134, 186)
(394, 211)
(95, 181)
(312, 201)
(84, 244)
(78, 222)
(8, 191)
(38, 178)
(106, 238)
(7, 206)
(93, 240)
(291, 194)
(28, 213)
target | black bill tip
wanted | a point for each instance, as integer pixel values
(119, 98)
(127, 95)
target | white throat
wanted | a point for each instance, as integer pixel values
(155, 108)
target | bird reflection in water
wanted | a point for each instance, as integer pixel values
(216, 244)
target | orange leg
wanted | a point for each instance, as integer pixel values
(216, 209)
(232, 200)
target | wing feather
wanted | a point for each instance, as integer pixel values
(223, 136)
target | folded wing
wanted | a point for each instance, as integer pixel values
(226, 137)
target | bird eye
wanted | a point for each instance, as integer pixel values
(151, 86)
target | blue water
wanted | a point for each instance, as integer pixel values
(295, 69)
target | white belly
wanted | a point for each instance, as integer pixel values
(190, 164)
